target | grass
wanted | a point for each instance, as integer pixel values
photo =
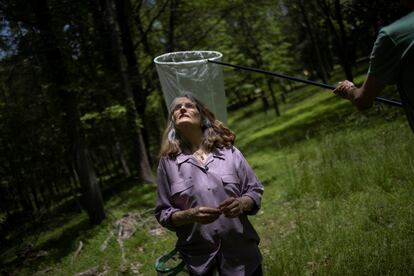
(338, 199)
(344, 205)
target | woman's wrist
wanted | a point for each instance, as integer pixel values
(247, 203)
(183, 217)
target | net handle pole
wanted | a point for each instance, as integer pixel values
(314, 83)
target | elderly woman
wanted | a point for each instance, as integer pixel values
(206, 189)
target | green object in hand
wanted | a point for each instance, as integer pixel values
(162, 267)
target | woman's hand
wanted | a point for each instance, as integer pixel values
(233, 207)
(202, 214)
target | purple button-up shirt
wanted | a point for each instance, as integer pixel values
(184, 183)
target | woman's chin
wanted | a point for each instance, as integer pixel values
(186, 122)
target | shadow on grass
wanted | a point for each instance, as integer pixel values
(25, 252)
(121, 189)
(60, 232)
(133, 196)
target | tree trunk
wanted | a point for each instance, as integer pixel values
(272, 94)
(36, 202)
(284, 91)
(53, 64)
(140, 153)
(340, 41)
(123, 8)
(119, 153)
(18, 184)
(171, 30)
(321, 67)
(347, 60)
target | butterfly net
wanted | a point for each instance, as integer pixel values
(190, 71)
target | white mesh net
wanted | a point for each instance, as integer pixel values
(189, 71)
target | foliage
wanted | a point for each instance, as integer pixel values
(337, 199)
(116, 96)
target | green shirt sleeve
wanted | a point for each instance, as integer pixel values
(384, 60)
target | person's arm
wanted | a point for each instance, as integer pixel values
(251, 190)
(383, 70)
(362, 97)
(164, 208)
(234, 206)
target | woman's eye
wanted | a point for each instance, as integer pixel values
(186, 105)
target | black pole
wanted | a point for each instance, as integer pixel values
(323, 85)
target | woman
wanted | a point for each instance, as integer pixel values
(206, 189)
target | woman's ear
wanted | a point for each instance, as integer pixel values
(206, 123)
(172, 135)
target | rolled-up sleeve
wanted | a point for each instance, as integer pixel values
(385, 59)
(164, 207)
(251, 185)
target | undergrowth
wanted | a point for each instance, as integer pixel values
(338, 200)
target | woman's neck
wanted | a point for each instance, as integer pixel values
(194, 139)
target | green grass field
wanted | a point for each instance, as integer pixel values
(338, 199)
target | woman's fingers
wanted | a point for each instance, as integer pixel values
(231, 208)
(226, 202)
(209, 210)
(206, 214)
(232, 205)
(234, 209)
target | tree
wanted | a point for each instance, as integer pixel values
(56, 74)
(107, 18)
(256, 35)
(314, 42)
(333, 13)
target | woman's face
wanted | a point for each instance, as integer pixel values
(185, 112)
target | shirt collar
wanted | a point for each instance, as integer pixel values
(181, 158)
(217, 153)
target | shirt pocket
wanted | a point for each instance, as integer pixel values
(182, 193)
(231, 185)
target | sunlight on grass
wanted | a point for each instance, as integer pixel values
(338, 198)
(344, 203)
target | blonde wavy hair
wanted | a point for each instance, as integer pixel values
(216, 135)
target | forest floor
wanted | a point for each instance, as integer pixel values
(338, 200)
